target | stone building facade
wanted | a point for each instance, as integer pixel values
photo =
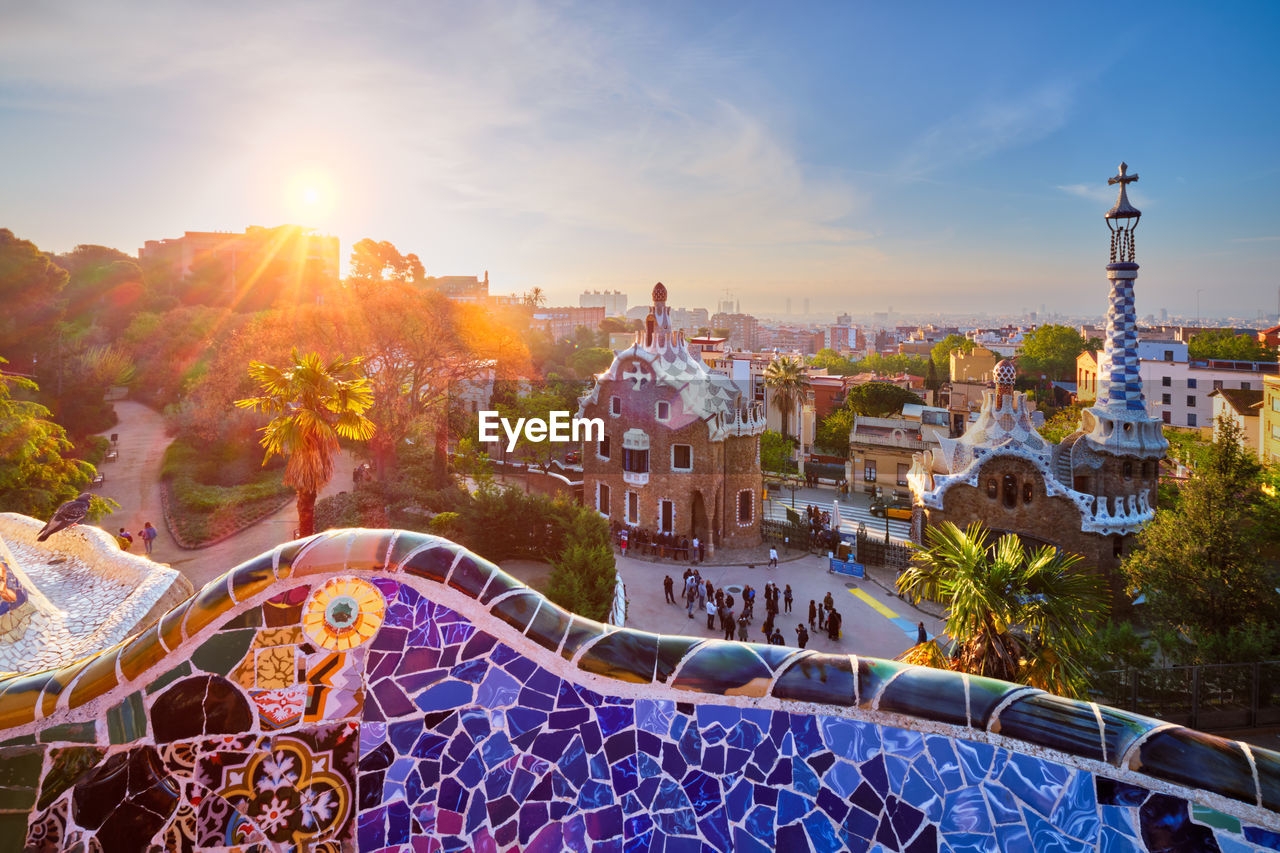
(681, 447)
(1090, 494)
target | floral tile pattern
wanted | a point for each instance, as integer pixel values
(397, 723)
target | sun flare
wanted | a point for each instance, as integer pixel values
(311, 197)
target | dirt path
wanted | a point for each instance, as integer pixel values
(133, 481)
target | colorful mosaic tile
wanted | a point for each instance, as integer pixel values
(397, 723)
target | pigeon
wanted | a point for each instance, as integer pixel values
(69, 514)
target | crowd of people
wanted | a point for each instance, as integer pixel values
(640, 542)
(701, 597)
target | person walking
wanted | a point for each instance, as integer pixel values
(622, 542)
(773, 557)
(702, 551)
(786, 599)
(696, 550)
(802, 636)
(833, 625)
(748, 603)
(691, 594)
(822, 618)
(743, 621)
(829, 601)
(711, 614)
(668, 586)
(148, 536)
(767, 627)
(729, 624)
(813, 615)
(703, 598)
(125, 540)
(775, 639)
(922, 636)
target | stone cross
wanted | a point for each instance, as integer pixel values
(1123, 178)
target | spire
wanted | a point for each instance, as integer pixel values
(1118, 421)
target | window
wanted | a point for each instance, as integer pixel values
(1168, 355)
(1166, 399)
(1191, 401)
(1010, 491)
(602, 498)
(635, 461)
(1217, 384)
(745, 506)
(1244, 386)
(1166, 381)
(1146, 470)
(662, 410)
(1027, 492)
(633, 508)
(1126, 469)
(681, 457)
(1191, 419)
(1167, 417)
(666, 516)
(1191, 383)
(869, 471)
(615, 406)
(603, 448)
(1275, 404)
(991, 488)
(1117, 546)
(903, 468)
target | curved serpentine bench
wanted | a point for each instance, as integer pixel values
(381, 689)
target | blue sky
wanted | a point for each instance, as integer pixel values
(925, 156)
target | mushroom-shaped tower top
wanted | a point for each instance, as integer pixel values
(1005, 373)
(659, 293)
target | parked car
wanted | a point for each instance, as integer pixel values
(572, 457)
(899, 509)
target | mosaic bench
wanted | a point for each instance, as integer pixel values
(382, 690)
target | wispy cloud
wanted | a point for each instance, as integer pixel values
(1092, 192)
(989, 127)
(503, 110)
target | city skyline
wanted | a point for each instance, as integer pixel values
(939, 160)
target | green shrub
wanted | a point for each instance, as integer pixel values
(206, 502)
(361, 508)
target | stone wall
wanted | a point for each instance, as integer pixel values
(380, 690)
(1049, 519)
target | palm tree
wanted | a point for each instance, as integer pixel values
(1014, 613)
(312, 404)
(787, 379)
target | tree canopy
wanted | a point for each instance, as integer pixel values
(941, 352)
(374, 261)
(879, 399)
(31, 291)
(1201, 564)
(1225, 344)
(37, 472)
(1051, 351)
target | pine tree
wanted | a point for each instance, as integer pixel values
(1200, 563)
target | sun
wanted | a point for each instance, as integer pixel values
(311, 197)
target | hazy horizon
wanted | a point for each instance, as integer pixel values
(936, 159)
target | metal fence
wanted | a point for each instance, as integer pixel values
(871, 550)
(1212, 696)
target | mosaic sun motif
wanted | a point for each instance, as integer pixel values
(343, 613)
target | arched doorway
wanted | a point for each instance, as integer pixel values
(698, 512)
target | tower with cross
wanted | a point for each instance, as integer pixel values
(1120, 445)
